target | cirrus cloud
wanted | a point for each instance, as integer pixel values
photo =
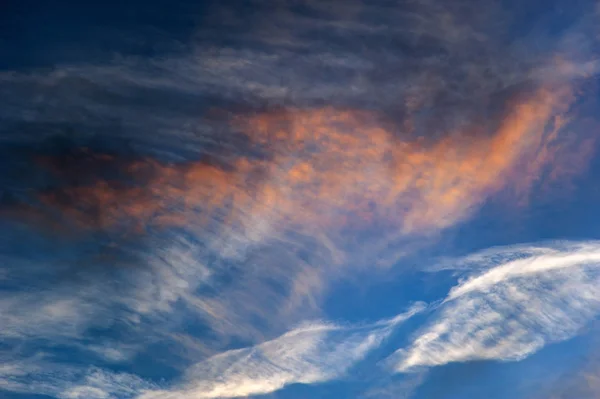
(526, 299)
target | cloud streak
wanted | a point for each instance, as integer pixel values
(511, 310)
(309, 354)
(38, 375)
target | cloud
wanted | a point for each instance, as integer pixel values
(343, 139)
(519, 300)
(330, 170)
(331, 187)
(310, 189)
(74, 312)
(102, 384)
(256, 170)
(263, 227)
(416, 187)
(309, 354)
(39, 376)
(513, 309)
(46, 314)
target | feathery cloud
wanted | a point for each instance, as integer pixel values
(309, 354)
(511, 310)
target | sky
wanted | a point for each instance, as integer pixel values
(290, 199)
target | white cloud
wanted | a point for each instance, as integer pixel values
(518, 300)
(516, 307)
(46, 314)
(64, 314)
(309, 354)
(36, 375)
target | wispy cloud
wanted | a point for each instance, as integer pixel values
(309, 354)
(71, 311)
(38, 376)
(325, 179)
(310, 145)
(511, 310)
(337, 172)
(525, 298)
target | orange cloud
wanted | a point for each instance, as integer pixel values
(338, 167)
(337, 170)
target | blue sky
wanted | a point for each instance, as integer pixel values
(312, 199)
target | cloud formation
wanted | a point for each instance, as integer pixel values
(329, 170)
(335, 174)
(39, 376)
(275, 151)
(511, 310)
(319, 187)
(517, 301)
(526, 298)
(306, 355)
